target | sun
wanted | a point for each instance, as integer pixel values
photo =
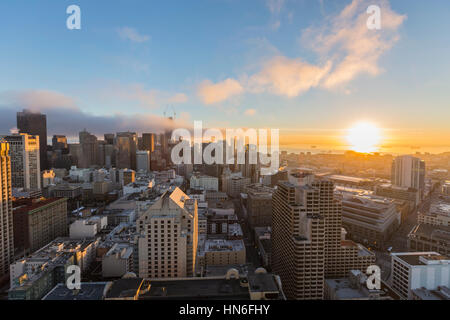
(364, 137)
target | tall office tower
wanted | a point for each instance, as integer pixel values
(408, 171)
(109, 138)
(35, 124)
(59, 142)
(25, 161)
(251, 167)
(126, 147)
(89, 150)
(143, 160)
(148, 142)
(6, 218)
(168, 237)
(307, 243)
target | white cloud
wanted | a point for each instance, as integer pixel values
(211, 93)
(353, 48)
(131, 34)
(288, 77)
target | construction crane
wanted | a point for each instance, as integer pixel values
(173, 109)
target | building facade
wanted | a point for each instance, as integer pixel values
(169, 237)
(6, 219)
(38, 222)
(25, 161)
(307, 243)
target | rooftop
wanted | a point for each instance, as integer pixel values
(88, 291)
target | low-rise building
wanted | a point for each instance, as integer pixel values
(33, 277)
(221, 252)
(426, 237)
(416, 270)
(118, 261)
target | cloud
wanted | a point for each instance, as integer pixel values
(70, 121)
(211, 93)
(288, 77)
(344, 46)
(353, 48)
(137, 93)
(36, 100)
(250, 112)
(132, 34)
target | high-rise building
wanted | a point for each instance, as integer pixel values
(126, 147)
(169, 237)
(307, 241)
(143, 160)
(38, 222)
(59, 142)
(89, 150)
(25, 161)
(35, 124)
(409, 172)
(148, 142)
(6, 219)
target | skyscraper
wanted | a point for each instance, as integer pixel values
(408, 171)
(307, 242)
(6, 219)
(169, 237)
(35, 124)
(25, 161)
(148, 142)
(89, 149)
(126, 147)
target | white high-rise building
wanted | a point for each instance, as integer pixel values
(6, 219)
(25, 161)
(409, 172)
(168, 237)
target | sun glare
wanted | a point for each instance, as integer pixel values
(364, 137)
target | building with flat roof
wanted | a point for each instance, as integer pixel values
(368, 219)
(441, 293)
(438, 213)
(416, 270)
(118, 261)
(402, 193)
(257, 286)
(205, 182)
(88, 291)
(354, 287)
(33, 277)
(220, 252)
(259, 205)
(426, 237)
(38, 222)
(307, 243)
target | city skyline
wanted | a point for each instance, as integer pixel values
(233, 65)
